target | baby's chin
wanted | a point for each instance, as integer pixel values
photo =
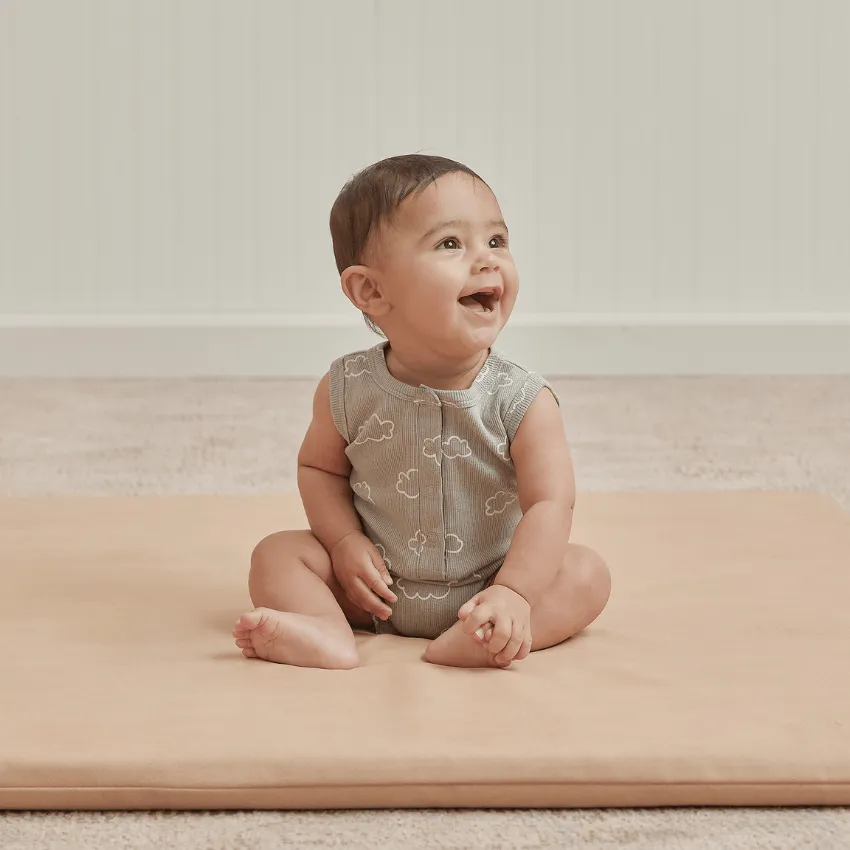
(452, 336)
(470, 340)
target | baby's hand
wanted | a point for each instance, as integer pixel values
(509, 639)
(364, 576)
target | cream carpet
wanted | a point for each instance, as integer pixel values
(102, 437)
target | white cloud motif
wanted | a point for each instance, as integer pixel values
(503, 379)
(387, 561)
(364, 491)
(417, 542)
(497, 504)
(453, 544)
(451, 448)
(416, 595)
(432, 448)
(408, 483)
(374, 429)
(520, 399)
(482, 374)
(356, 366)
(455, 447)
(504, 449)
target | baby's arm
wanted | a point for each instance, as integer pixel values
(546, 490)
(323, 471)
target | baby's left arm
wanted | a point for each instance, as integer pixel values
(546, 491)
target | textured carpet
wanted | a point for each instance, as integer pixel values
(101, 437)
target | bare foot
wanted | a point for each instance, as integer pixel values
(454, 648)
(298, 639)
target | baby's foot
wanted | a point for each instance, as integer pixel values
(298, 639)
(455, 648)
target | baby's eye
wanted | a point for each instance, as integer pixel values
(499, 240)
(453, 246)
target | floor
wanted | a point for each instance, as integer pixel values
(242, 436)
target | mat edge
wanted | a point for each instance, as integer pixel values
(613, 795)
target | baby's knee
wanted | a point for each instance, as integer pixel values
(272, 550)
(595, 579)
(294, 549)
(263, 552)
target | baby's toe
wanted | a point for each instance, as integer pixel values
(249, 652)
(243, 643)
(248, 621)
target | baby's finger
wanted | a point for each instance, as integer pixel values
(477, 618)
(467, 608)
(485, 632)
(372, 579)
(501, 635)
(510, 651)
(377, 560)
(525, 649)
(369, 601)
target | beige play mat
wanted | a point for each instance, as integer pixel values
(719, 673)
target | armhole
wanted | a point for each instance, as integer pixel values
(336, 386)
(521, 401)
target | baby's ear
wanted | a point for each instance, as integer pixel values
(363, 290)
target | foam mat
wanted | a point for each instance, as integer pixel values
(718, 674)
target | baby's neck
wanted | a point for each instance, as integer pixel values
(439, 375)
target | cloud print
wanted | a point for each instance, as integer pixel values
(482, 374)
(432, 448)
(417, 542)
(364, 491)
(496, 504)
(408, 483)
(503, 379)
(455, 447)
(520, 399)
(504, 450)
(374, 429)
(453, 544)
(451, 448)
(387, 561)
(356, 366)
(417, 595)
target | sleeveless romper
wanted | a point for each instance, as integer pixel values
(432, 479)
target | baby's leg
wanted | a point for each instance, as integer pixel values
(303, 616)
(572, 602)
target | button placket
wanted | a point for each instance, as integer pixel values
(431, 508)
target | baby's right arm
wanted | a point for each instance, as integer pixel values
(323, 470)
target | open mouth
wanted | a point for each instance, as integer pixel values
(483, 301)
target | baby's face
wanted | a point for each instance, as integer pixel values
(446, 268)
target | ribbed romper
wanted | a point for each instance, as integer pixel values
(432, 479)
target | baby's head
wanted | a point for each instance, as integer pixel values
(422, 250)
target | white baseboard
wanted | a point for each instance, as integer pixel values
(303, 346)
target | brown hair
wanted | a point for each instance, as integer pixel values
(371, 197)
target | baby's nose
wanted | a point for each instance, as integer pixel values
(488, 263)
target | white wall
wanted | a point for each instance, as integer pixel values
(675, 174)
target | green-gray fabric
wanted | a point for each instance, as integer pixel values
(432, 478)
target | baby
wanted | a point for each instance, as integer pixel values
(435, 474)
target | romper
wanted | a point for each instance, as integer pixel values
(432, 479)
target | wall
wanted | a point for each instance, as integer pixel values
(674, 173)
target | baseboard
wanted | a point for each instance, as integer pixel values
(303, 346)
